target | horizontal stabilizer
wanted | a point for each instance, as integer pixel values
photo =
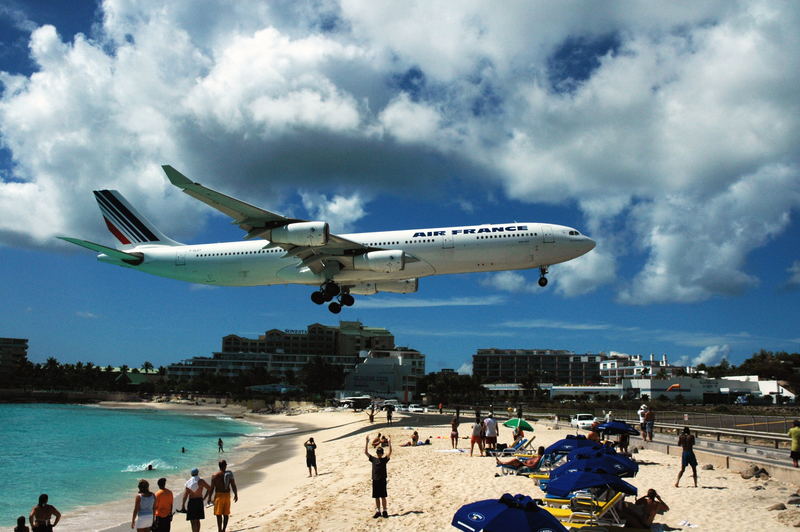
(130, 258)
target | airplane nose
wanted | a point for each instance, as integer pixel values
(586, 245)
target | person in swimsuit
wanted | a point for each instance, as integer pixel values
(477, 431)
(454, 432)
(311, 456)
(686, 441)
(222, 483)
(194, 492)
(220, 448)
(142, 519)
(41, 514)
(21, 526)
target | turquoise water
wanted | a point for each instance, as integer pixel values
(82, 455)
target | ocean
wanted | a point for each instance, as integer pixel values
(85, 456)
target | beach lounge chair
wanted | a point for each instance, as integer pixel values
(585, 511)
(509, 451)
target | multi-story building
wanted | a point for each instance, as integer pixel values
(620, 366)
(280, 351)
(387, 373)
(543, 365)
(13, 352)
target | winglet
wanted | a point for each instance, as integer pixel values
(175, 177)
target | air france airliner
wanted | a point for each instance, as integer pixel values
(281, 250)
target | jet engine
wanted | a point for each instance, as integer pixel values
(302, 234)
(404, 286)
(387, 261)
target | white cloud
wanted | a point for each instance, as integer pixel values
(87, 315)
(679, 144)
(339, 211)
(510, 282)
(712, 355)
(465, 369)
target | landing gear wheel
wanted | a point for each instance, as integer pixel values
(347, 300)
(335, 307)
(318, 298)
(331, 289)
(542, 281)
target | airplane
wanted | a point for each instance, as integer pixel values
(295, 251)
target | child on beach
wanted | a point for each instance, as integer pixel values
(379, 477)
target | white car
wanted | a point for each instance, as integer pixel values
(415, 408)
(582, 421)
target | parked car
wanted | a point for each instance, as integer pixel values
(582, 421)
(415, 408)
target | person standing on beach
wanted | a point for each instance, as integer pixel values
(222, 483)
(220, 448)
(142, 519)
(649, 423)
(21, 526)
(379, 476)
(389, 410)
(193, 491)
(686, 441)
(41, 514)
(492, 432)
(311, 456)
(454, 432)
(162, 522)
(477, 431)
(641, 412)
(794, 434)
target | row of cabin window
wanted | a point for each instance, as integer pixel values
(240, 253)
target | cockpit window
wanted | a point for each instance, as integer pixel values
(574, 233)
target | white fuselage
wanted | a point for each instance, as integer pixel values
(481, 248)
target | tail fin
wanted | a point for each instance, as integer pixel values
(128, 226)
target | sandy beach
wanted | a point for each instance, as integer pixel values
(427, 484)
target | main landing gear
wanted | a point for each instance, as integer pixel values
(543, 279)
(330, 290)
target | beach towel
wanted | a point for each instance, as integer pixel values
(193, 483)
(226, 478)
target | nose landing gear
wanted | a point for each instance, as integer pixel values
(543, 279)
(327, 292)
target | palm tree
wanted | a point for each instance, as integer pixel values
(147, 366)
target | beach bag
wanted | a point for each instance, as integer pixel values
(502, 446)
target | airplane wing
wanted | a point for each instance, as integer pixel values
(259, 223)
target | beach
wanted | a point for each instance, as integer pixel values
(427, 484)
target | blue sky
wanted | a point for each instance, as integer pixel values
(667, 133)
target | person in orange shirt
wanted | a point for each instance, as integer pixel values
(163, 508)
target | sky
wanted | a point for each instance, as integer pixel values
(668, 132)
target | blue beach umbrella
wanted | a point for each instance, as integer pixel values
(581, 480)
(570, 443)
(616, 427)
(509, 513)
(613, 464)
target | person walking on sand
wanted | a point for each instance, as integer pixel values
(477, 431)
(222, 483)
(454, 432)
(162, 510)
(220, 448)
(311, 456)
(379, 477)
(193, 490)
(142, 519)
(794, 434)
(686, 441)
(41, 514)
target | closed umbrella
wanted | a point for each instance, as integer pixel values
(509, 513)
(517, 422)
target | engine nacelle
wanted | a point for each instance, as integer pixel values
(387, 261)
(302, 234)
(404, 286)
